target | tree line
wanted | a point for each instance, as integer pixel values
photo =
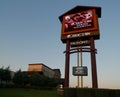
(24, 79)
(5, 76)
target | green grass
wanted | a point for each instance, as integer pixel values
(70, 92)
(19, 92)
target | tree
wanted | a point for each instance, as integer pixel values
(7, 75)
(52, 82)
(1, 75)
(35, 79)
(18, 78)
(26, 78)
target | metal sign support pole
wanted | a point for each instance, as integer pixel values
(67, 59)
(78, 77)
(93, 64)
(81, 65)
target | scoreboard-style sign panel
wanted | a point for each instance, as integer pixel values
(80, 71)
(80, 25)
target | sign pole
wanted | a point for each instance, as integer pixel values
(78, 77)
(81, 65)
(67, 59)
(93, 64)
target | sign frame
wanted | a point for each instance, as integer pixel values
(94, 30)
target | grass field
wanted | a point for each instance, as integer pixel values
(70, 92)
(19, 92)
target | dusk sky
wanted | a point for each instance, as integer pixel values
(30, 32)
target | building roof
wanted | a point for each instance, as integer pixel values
(40, 64)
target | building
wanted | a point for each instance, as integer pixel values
(44, 70)
(57, 73)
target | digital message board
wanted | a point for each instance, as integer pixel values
(80, 71)
(80, 25)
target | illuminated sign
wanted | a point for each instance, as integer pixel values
(80, 71)
(80, 43)
(82, 24)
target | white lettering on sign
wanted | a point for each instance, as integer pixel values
(79, 42)
(78, 35)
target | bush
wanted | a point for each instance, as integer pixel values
(88, 92)
(70, 92)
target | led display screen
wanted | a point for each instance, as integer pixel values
(81, 22)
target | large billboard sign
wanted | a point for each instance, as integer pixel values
(82, 24)
(80, 71)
